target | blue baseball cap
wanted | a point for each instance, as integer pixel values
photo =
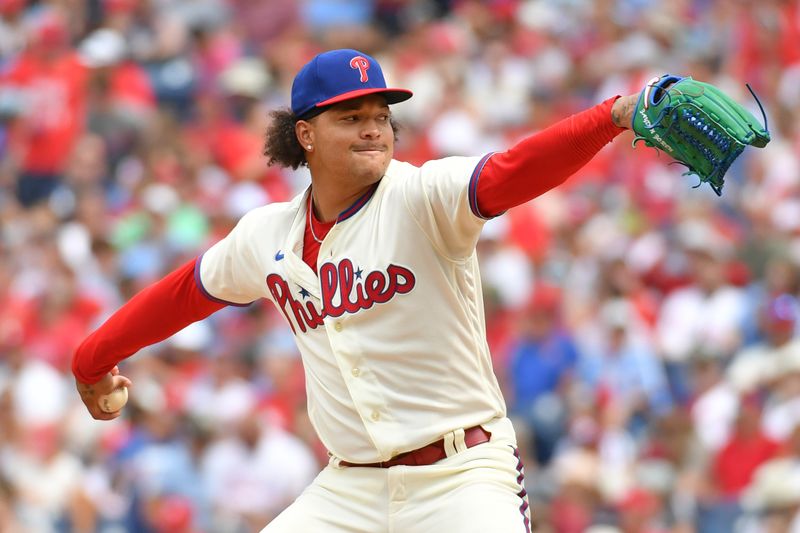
(340, 75)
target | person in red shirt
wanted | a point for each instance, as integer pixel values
(745, 451)
(733, 467)
(51, 83)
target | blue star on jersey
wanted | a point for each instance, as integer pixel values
(358, 273)
(304, 293)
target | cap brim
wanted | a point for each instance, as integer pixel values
(393, 96)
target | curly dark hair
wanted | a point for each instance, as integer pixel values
(282, 147)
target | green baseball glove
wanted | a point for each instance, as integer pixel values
(696, 124)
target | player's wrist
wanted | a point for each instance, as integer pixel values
(622, 111)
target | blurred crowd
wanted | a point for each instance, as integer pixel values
(645, 332)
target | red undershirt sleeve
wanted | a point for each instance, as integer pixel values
(151, 316)
(542, 161)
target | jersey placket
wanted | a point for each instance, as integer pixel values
(360, 381)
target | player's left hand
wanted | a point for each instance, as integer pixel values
(698, 125)
(622, 110)
(91, 393)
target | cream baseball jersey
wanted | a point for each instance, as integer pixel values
(392, 330)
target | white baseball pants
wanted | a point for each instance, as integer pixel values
(478, 490)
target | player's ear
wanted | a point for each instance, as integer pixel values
(304, 132)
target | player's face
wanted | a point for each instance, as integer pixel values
(353, 141)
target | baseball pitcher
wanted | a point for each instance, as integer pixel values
(374, 269)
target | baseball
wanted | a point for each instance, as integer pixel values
(114, 401)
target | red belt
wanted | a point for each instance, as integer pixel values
(427, 455)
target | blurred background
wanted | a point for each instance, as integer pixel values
(644, 332)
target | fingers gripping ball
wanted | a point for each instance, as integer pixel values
(114, 401)
(698, 125)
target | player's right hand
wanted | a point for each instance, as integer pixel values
(90, 393)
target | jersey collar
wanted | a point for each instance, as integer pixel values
(297, 270)
(359, 203)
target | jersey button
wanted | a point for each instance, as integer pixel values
(356, 372)
(338, 326)
(375, 416)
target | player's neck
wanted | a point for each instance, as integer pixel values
(330, 200)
